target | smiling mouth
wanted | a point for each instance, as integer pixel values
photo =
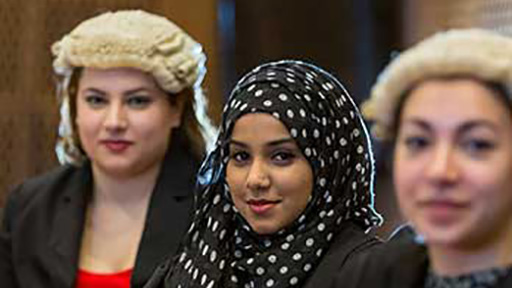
(444, 203)
(444, 211)
(261, 206)
(117, 146)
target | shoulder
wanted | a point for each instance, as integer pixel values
(50, 178)
(400, 262)
(45, 188)
(347, 244)
(352, 239)
(506, 282)
(403, 245)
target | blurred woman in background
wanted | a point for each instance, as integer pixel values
(446, 107)
(129, 142)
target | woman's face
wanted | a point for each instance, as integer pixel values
(124, 120)
(269, 178)
(453, 164)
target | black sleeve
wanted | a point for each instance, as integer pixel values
(7, 271)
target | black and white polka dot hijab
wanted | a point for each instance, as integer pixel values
(220, 249)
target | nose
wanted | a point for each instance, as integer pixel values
(443, 167)
(258, 178)
(116, 118)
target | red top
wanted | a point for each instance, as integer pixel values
(87, 279)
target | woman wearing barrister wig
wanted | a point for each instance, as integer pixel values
(445, 106)
(133, 130)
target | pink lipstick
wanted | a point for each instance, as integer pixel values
(117, 146)
(261, 206)
(444, 211)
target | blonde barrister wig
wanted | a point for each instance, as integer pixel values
(131, 38)
(473, 52)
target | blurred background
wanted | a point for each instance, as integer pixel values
(353, 39)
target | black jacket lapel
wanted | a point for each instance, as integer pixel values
(67, 227)
(169, 211)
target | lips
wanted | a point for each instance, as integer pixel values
(117, 146)
(444, 211)
(262, 206)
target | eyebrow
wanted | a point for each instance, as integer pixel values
(140, 89)
(417, 122)
(95, 90)
(129, 92)
(271, 143)
(466, 126)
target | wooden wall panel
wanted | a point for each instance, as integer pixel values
(199, 17)
(342, 36)
(422, 18)
(28, 109)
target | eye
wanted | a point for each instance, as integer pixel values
(416, 143)
(283, 157)
(139, 101)
(478, 146)
(95, 101)
(239, 157)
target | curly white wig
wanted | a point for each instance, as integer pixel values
(130, 38)
(473, 52)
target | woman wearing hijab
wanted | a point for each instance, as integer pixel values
(286, 196)
(445, 105)
(129, 143)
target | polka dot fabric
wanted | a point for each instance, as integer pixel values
(220, 249)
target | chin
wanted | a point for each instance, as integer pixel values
(264, 229)
(119, 169)
(453, 236)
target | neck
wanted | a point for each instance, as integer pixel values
(455, 261)
(133, 190)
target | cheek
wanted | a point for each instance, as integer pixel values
(167, 113)
(152, 126)
(296, 184)
(81, 114)
(305, 186)
(235, 180)
(175, 116)
(490, 176)
(169, 119)
(489, 188)
(401, 173)
(405, 180)
(87, 124)
(492, 200)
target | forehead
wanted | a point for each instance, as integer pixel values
(258, 128)
(119, 77)
(452, 101)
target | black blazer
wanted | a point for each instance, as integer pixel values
(349, 242)
(399, 263)
(44, 217)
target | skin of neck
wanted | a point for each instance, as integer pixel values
(455, 261)
(115, 220)
(126, 191)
